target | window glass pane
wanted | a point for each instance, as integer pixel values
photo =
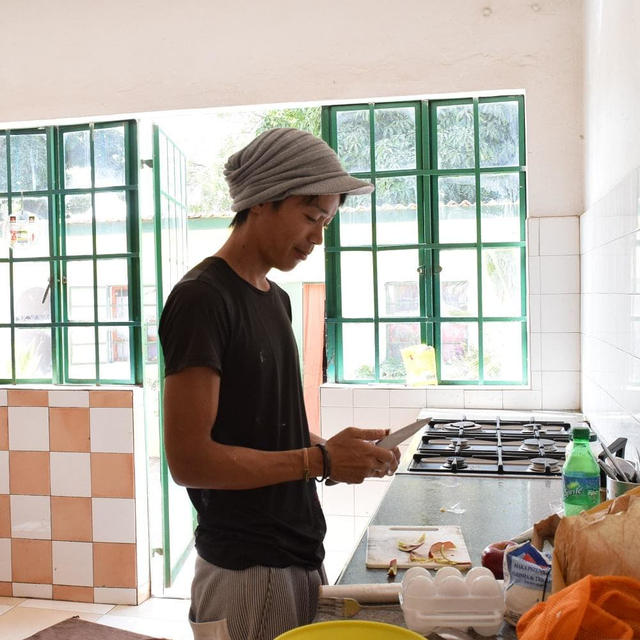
(30, 281)
(81, 353)
(458, 283)
(455, 136)
(5, 228)
(111, 222)
(355, 221)
(5, 308)
(3, 163)
(108, 147)
(113, 291)
(395, 133)
(502, 351)
(358, 351)
(500, 207)
(459, 351)
(31, 227)
(77, 224)
(356, 268)
(498, 132)
(396, 210)
(80, 291)
(393, 338)
(501, 281)
(354, 138)
(457, 209)
(398, 290)
(33, 353)
(77, 160)
(5, 353)
(29, 162)
(114, 353)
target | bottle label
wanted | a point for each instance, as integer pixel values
(587, 488)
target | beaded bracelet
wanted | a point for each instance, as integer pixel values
(326, 462)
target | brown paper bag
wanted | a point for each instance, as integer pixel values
(601, 542)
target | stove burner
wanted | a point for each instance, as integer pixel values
(540, 464)
(455, 462)
(535, 444)
(465, 425)
(459, 443)
(530, 427)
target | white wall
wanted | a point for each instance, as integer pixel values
(77, 58)
(610, 226)
(134, 56)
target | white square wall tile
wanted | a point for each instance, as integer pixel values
(68, 398)
(401, 416)
(560, 236)
(27, 590)
(560, 274)
(371, 417)
(338, 500)
(560, 313)
(31, 517)
(3, 397)
(560, 351)
(70, 474)
(534, 275)
(114, 520)
(368, 495)
(5, 560)
(533, 236)
(445, 398)
(111, 430)
(114, 596)
(334, 420)
(72, 563)
(336, 397)
(561, 390)
(408, 398)
(482, 399)
(520, 400)
(371, 397)
(28, 428)
(4, 472)
(535, 353)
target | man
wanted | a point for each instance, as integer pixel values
(235, 428)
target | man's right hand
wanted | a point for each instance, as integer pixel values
(355, 456)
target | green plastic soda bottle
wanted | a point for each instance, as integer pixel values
(580, 475)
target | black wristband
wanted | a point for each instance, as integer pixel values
(326, 462)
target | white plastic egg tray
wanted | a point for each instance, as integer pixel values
(452, 600)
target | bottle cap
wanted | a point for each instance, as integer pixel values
(581, 433)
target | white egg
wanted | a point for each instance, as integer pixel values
(421, 587)
(453, 587)
(476, 572)
(445, 572)
(412, 574)
(486, 586)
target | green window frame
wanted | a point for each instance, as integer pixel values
(69, 255)
(437, 254)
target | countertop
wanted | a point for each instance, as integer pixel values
(494, 509)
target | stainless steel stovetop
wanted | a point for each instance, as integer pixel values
(489, 447)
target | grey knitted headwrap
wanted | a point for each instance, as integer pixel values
(285, 162)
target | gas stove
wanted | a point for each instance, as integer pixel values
(489, 447)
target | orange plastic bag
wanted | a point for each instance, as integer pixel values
(593, 607)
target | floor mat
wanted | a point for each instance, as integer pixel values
(77, 629)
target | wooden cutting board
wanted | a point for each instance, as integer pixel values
(382, 546)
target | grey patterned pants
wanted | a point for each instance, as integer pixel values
(258, 603)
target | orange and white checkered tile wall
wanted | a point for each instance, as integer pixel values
(68, 521)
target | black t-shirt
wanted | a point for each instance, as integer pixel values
(216, 319)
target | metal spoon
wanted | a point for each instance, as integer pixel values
(619, 470)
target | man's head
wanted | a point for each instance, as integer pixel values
(286, 162)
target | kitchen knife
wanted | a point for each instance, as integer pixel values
(394, 439)
(400, 435)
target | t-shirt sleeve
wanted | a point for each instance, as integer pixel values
(193, 328)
